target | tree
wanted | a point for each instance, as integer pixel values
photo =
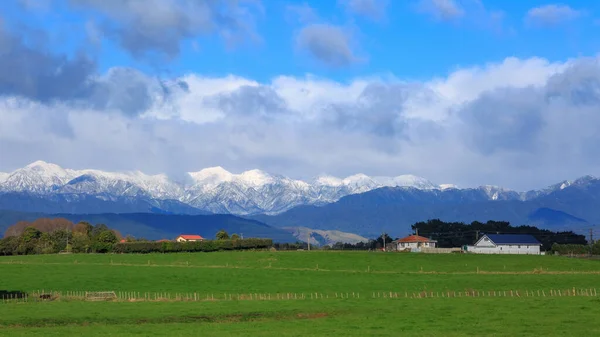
(81, 243)
(8, 245)
(83, 227)
(29, 234)
(234, 236)
(99, 228)
(103, 242)
(222, 235)
(59, 238)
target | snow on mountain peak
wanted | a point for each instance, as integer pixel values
(47, 169)
(327, 180)
(255, 178)
(360, 177)
(213, 175)
(407, 180)
(218, 190)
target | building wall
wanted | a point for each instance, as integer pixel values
(440, 250)
(415, 245)
(505, 249)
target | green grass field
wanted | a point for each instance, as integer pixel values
(304, 273)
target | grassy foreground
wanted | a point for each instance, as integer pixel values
(302, 272)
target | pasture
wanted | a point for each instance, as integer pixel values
(302, 293)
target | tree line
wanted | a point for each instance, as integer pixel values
(51, 236)
(459, 234)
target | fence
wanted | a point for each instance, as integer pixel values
(43, 296)
(428, 250)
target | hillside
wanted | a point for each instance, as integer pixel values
(394, 209)
(162, 226)
(324, 237)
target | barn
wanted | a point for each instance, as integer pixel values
(506, 244)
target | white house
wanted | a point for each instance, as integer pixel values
(506, 244)
(189, 238)
(414, 243)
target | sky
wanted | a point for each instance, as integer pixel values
(468, 92)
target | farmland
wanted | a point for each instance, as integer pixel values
(299, 293)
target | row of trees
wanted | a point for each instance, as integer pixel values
(141, 247)
(458, 234)
(50, 236)
(570, 249)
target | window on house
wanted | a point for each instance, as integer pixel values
(519, 246)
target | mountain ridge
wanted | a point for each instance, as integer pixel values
(216, 190)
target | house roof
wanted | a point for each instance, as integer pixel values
(191, 237)
(415, 238)
(513, 239)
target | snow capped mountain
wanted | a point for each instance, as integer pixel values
(37, 177)
(217, 190)
(3, 176)
(409, 180)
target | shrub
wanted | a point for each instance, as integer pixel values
(570, 249)
(198, 246)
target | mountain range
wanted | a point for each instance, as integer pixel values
(46, 187)
(357, 204)
(42, 186)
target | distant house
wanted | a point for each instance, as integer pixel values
(506, 244)
(413, 243)
(189, 238)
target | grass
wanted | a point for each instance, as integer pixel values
(324, 272)
(423, 317)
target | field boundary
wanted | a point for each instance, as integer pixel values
(368, 269)
(121, 296)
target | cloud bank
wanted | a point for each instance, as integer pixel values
(518, 123)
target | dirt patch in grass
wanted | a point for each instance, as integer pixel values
(312, 315)
(229, 318)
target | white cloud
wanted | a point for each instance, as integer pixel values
(372, 9)
(517, 123)
(159, 26)
(551, 15)
(327, 43)
(443, 10)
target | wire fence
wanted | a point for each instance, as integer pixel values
(121, 296)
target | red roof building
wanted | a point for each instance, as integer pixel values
(415, 238)
(189, 238)
(414, 241)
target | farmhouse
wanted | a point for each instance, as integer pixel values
(189, 238)
(506, 244)
(414, 243)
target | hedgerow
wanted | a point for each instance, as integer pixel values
(141, 247)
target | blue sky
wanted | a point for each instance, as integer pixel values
(500, 92)
(405, 39)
